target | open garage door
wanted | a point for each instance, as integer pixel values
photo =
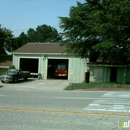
(57, 69)
(29, 64)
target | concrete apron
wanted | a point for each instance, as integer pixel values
(35, 84)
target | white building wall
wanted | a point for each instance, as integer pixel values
(76, 70)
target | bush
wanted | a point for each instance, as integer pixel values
(96, 85)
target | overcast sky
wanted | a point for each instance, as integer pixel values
(20, 15)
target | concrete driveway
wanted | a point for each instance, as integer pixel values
(35, 84)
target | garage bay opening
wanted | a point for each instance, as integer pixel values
(57, 69)
(30, 64)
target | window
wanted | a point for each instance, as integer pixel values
(61, 67)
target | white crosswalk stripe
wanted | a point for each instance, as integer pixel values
(111, 102)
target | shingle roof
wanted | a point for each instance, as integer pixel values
(41, 48)
(5, 60)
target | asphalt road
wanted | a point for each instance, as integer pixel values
(39, 109)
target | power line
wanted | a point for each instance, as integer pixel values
(32, 28)
(28, 30)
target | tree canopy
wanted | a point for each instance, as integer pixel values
(99, 28)
(5, 39)
(43, 33)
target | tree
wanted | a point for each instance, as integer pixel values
(100, 26)
(43, 33)
(19, 41)
(5, 40)
(46, 33)
(32, 36)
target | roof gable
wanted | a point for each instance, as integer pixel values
(41, 48)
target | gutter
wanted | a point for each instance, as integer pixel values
(41, 53)
(107, 65)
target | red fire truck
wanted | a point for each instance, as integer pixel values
(61, 70)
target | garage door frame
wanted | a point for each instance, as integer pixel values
(30, 58)
(60, 58)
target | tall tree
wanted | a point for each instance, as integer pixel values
(45, 33)
(5, 40)
(100, 26)
(20, 41)
(32, 36)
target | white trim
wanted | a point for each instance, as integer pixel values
(30, 58)
(46, 68)
(4, 67)
(26, 53)
(55, 53)
(61, 58)
(58, 58)
(40, 53)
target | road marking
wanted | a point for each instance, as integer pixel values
(125, 96)
(109, 110)
(116, 94)
(117, 110)
(75, 98)
(65, 112)
(110, 104)
(93, 104)
(82, 98)
(95, 109)
(119, 107)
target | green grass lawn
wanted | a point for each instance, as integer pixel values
(96, 85)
